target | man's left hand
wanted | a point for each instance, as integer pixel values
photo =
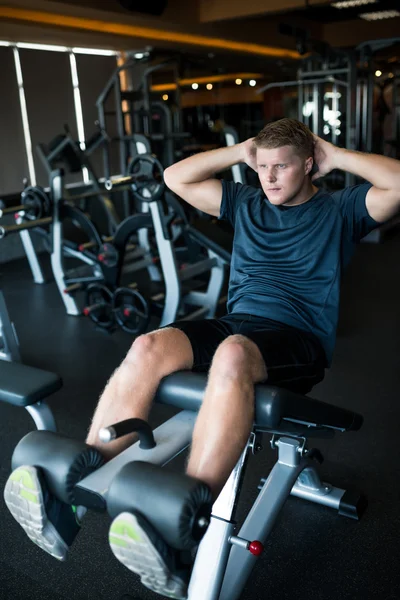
(325, 155)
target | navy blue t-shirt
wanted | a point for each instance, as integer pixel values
(287, 261)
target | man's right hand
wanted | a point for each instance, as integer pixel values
(250, 154)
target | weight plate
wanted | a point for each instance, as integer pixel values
(131, 311)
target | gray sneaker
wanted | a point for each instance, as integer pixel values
(138, 546)
(49, 523)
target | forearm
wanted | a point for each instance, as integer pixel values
(381, 171)
(204, 165)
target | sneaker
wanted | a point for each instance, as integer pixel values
(138, 546)
(49, 523)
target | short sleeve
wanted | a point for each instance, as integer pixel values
(353, 207)
(233, 194)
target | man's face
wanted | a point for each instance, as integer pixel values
(282, 174)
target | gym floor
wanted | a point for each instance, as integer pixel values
(312, 554)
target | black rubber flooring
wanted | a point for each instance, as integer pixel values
(312, 554)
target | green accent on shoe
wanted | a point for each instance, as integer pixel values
(124, 528)
(118, 542)
(24, 476)
(29, 496)
(75, 511)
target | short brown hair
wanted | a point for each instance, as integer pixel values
(286, 132)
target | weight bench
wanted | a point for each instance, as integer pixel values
(26, 386)
(174, 503)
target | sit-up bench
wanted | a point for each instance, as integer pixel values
(28, 387)
(175, 503)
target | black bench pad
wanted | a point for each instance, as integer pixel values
(276, 409)
(22, 385)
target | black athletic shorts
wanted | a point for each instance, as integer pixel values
(294, 359)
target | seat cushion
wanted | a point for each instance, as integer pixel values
(22, 385)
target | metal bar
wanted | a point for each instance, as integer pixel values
(7, 229)
(8, 335)
(359, 143)
(212, 556)
(370, 92)
(300, 82)
(168, 266)
(11, 209)
(263, 515)
(119, 182)
(316, 112)
(197, 268)
(57, 253)
(172, 437)
(34, 264)
(335, 107)
(319, 73)
(42, 416)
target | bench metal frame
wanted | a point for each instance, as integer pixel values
(223, 564)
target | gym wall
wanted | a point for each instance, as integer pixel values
(13, 161)
(49, 99)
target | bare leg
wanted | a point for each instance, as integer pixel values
(226, 416)
(131, 389)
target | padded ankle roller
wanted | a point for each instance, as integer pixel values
(64, 461)
(178, 506)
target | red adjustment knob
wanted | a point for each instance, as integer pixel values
(101, 257)
(81, 247)
(127, 312)
(256, 548)
(86, 311)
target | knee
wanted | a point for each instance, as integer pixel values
(144, 349)
(160, 352)
(233, 358)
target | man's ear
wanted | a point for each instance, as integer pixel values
(310, 166)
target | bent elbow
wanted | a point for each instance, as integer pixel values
(169, 178)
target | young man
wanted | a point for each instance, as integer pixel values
(291, 244)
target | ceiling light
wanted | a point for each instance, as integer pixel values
(47, 47)
(252, 82)
(378, 73)
(195, 86)
(352, 3)
(209, 86)
(165, 97)
(379, 15)
(94, 51)
(238, 81)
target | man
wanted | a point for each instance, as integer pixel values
(291, 244)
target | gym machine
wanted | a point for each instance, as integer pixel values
(231, 138)
(368, 53)
(182, 296)
(22, 385)
(135, 112)
(182, 514)
(325, 101)
(64, 152)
